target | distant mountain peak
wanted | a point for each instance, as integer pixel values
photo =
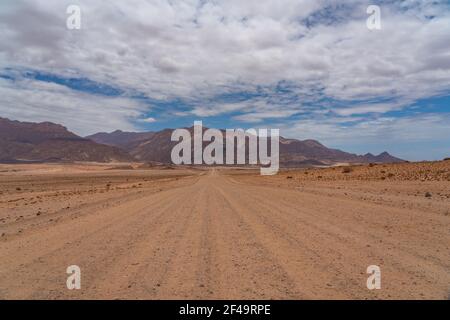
(121, 139)
(47, 141)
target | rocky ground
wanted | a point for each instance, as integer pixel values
(224, 233)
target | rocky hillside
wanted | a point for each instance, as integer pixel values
(293, 153)
(46, 141)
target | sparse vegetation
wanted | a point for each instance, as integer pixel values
(402, 212)
(347, 170)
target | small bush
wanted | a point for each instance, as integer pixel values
(347, 170)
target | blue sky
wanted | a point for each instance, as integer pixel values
(310, 68)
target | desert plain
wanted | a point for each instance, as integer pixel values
(140, 232)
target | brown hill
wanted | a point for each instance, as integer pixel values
(121, 139)
(46, 141)
(293, 153)
(383, 157)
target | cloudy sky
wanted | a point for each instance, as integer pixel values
(309, 67)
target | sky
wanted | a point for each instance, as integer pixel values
(311, 68)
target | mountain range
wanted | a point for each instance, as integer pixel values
(46, 141)
(157, 146)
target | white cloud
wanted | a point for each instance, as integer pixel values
(368, 108)
(82, 113)
(194, 50)
(187, 48)
(409, 137)
(148, 120)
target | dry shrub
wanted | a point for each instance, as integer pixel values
(347, 170)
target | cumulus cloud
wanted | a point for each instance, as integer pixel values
(195, 51)
(414, 137)
(148, 120)
(30, 100)
(188, 48)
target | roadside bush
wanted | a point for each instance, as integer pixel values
(347, 170)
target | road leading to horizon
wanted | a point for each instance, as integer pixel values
(217, 237)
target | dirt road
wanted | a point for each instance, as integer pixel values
(214, 236)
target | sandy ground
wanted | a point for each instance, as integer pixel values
(223, 234)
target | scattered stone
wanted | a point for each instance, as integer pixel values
(427, 195)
